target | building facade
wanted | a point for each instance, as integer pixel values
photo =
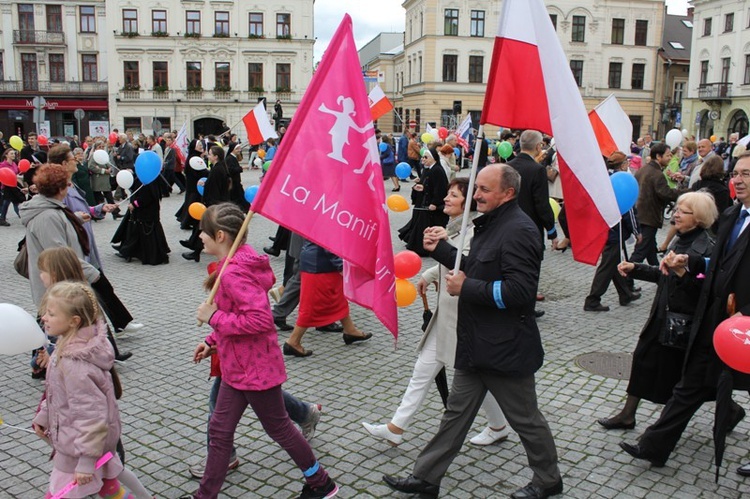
(205, 63)
(53, 67)
(719, 86)
(672, 76)
(442, 74)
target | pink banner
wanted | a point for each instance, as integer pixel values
(326, 183)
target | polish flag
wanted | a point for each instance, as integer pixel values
(531, 87)
(326, 182)
(379, 103)
(612, 127)
(258, 127)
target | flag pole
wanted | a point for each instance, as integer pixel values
(232, 251)
(229, 129)
(469, 195)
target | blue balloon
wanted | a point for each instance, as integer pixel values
(250, 193)
(201, 185)
(403, 170)
(626, 190)
(383, 147)
(147, 166)
(457, 151)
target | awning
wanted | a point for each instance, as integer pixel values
(56, 104)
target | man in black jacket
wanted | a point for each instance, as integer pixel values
(499, 347)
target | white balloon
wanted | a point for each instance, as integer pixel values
(19, 331)
(673, 138)
(101, 157)
(685, 132)
(125, 179)
(258, 162)
(197, 163)
(434, 134)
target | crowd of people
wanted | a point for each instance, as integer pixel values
(485, 325)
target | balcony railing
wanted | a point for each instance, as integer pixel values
(53, 87)
(32, 37)
(715, 91)
(204, 95)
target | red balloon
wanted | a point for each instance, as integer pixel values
(42, 140)
(7, 177)
(85, 145)
(442, 132)
(732, 191)
(407, 264)
(212, 267)
(732, 342)
(112, 138)
(24, 165)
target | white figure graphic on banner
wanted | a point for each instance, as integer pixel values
(339, 132)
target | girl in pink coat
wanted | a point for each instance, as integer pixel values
(251, 362)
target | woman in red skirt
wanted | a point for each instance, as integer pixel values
(322, 300)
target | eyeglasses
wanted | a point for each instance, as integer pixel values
(680, 210)
(426, 157)
(743, 174)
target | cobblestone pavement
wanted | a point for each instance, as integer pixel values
(164, 403)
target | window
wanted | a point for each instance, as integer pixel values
(194, 76)
(615, 74)
(284, 25)
(451, 22)
(193, 22)
(678, 93)
(57, 68)
(131, 73)
(553, 18)
(417, 117)
(90, 70)
(221, 72)
(255, 24)
(704, 72)
(88, 19)
(677, 45)
(255, 76)
(450, 66)
(2, 73)
(637, 77)
(637, 122)
(579, 29)
(728, 22)
(746, 80)
(283, 77)
(54, 18)
(161, 75)
(29, 72)
(447, 118)
(707, 27)
(618, 31)
(576, 67)
(129, 21)
(477, 23)
(641, 32)
(26, 19)
(726, 63)
(221, 24)
(687, 23)
(132, 125)
(158, 21)
(476, 68)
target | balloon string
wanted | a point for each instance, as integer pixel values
(131, 194)
(17, 427)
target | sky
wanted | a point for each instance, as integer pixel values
(377, 16)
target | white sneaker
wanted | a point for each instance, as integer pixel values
(490, 436)
(132, 327)
(276, 293)
(308, 427)
(382, 431)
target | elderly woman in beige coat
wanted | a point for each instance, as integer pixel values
(438, 345)
(100, 176)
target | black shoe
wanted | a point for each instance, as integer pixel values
(538, 313)
(412, 485)
(396, 189)
(123, 356)
(116, 216)
(192, 255)
(596, 308)
(333, 327)
(290, 350)
(186, 243)
(116, 247)
(272, 251)
(330, 489)
(615, 424)
(738, 414)
(4, 223)
(532, 491)
(632, 297)
(120, 255)
(281, 325)
(635, 289)
(350, 338)
(639, 453)
(272, 238)
(744, 470)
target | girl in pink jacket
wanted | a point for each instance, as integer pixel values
(79, 416)
(251, 361)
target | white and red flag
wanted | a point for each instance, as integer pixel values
(379, 103)
(531, 87)
(181, 144)
(463, 131)
(612, 126)
(326, 182)
(259, 129)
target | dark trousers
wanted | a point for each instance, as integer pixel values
(290, 297)
(101, 196)
(606, 272)
(281, 241)
(646, 249)
(180, 180)
(113, 307)
(517, 399)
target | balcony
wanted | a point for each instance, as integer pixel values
(217, 96)
(715, 92)
(53, 87)
(31, 37)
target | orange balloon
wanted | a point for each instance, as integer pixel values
(713, 138)
(261, 153)
(196, 210)
(406, 293)
(397, 203)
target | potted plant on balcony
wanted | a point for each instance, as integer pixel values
(281, 90)
(222, 88)
(131, 87)
(159, 34)
(284, 37)
(257, 90)
(194, 89)
(192, 35)
(130, 34)
(221, 35)
(161, 89)
(254, 36)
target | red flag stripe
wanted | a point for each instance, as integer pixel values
(606, 143)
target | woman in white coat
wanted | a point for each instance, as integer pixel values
(438, 345)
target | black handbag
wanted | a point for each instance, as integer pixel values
(676, 330)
